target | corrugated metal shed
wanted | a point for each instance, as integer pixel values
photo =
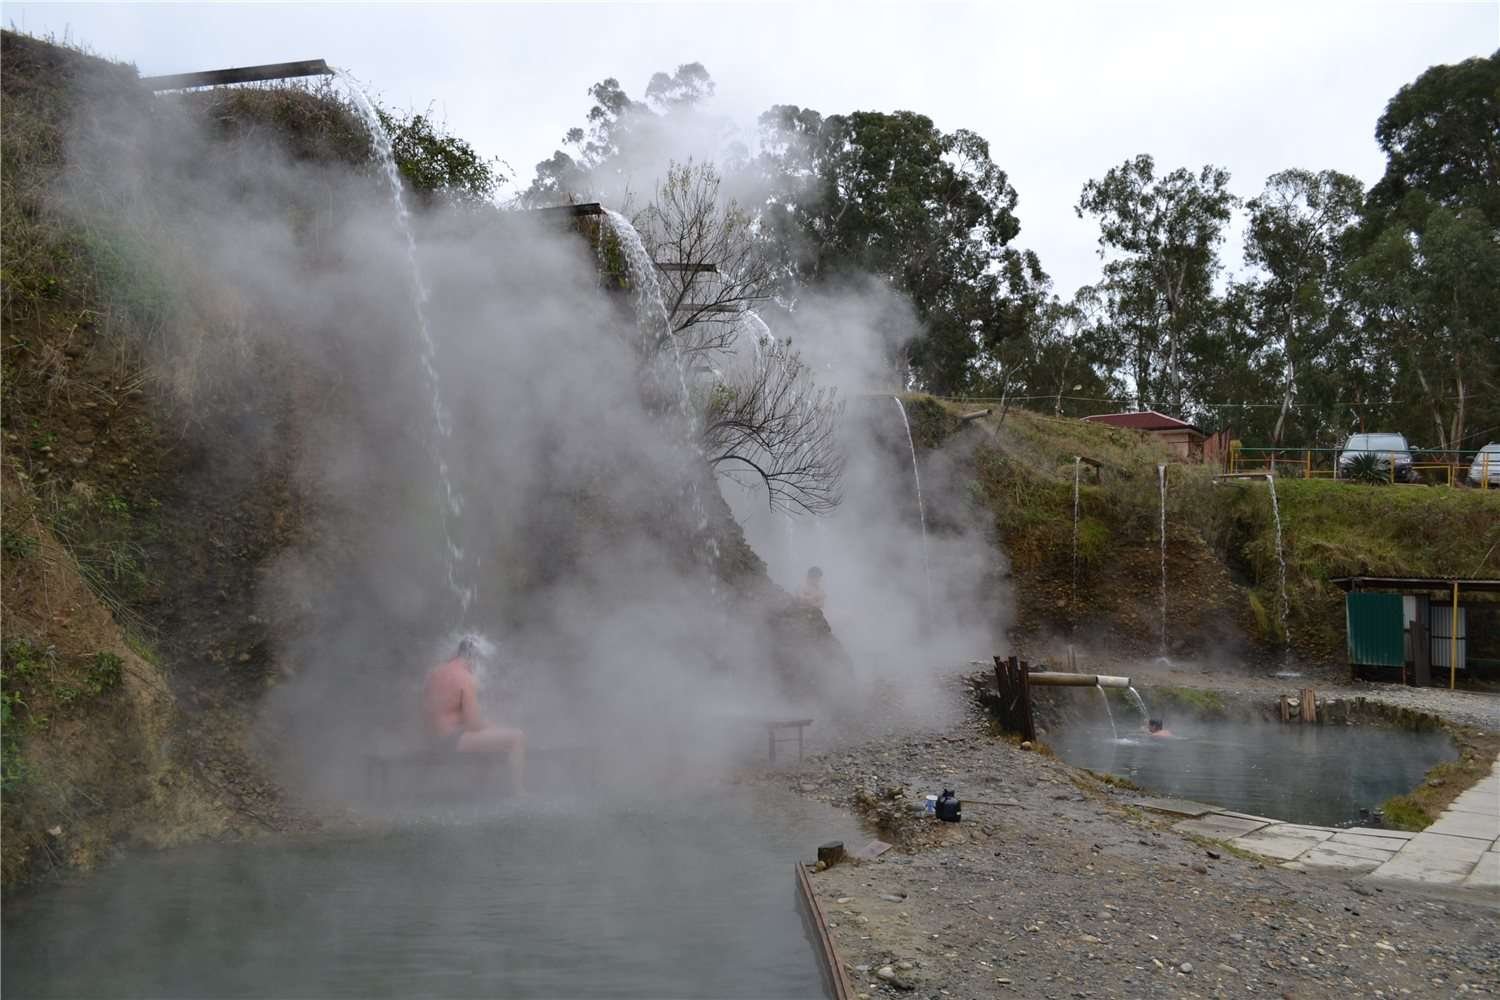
(1377, 635)
(1442, 636)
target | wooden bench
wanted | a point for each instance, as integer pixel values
(773, 728)
(580, 763)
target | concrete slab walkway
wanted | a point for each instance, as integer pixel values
(1461, 850)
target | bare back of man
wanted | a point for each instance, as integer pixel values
(454, 722)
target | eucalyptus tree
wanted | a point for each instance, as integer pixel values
(929, 212)
(1298, 228)
(1428, 272)
(1159, 238)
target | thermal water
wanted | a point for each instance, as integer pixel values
(654, 322)
(1323, 775)
(921, 506)
(689, 895)
(1286, 634)
(1161, 482)
(1108, 712)
(1077, 465)
(453, 503)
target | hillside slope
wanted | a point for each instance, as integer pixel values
(1222, 574)
(216, 421)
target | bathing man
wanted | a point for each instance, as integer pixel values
(1155, 728)
(451, 707)
(811, 592)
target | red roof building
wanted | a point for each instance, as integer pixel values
(1185, 440)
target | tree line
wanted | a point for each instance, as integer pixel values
(1372, 309)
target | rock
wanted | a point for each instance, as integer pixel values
(1186, 968)
(893, 897)
(886, 973)
(1025, 744)
(54, 832)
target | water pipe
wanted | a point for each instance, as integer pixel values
(1057, 679)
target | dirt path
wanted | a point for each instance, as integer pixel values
(1073, 892)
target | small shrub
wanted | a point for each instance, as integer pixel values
(1367, 468)
(1404, 813)
(103, 672)
(16, 545)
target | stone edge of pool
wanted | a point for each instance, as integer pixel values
(1460, 851)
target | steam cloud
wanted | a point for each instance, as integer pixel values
(291, 346)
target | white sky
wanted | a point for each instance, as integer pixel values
(1063, 91)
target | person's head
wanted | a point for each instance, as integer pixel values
(815, 574)
(471, 649)
(1154, 725)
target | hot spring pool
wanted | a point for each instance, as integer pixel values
(1315, 774)
(684, 898)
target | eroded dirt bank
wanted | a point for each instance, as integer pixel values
(1063, 888)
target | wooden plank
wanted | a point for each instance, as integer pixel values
(1309, 705)
(242, 74)
(828, 959)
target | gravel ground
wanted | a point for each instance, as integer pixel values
(1064, 889)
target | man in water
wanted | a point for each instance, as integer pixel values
(451, 706)
(1155, 728)
(811, 593)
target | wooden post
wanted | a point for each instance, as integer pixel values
(1286, 713)
(1309, 705)
(1028, 728)
(1453, 642)
(831, 853)
(1421, 653)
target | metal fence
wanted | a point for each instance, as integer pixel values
(1428, 465)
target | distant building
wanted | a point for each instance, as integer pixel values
(1185, 440)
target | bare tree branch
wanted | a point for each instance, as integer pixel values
(712, 267)
(769, 421)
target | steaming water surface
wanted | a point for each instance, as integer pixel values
(1321, 775)
(694, 897)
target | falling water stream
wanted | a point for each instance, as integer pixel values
(453, 503)
(759, 333)
(655, 324)
(1077, 465)
(1161, 482)
(1109, 713)
(1286, 634)
(1138, 701)
(921, 507)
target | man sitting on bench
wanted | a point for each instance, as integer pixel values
(451, 707)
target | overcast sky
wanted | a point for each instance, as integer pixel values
(1063, 91)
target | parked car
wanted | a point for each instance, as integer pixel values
(1486, 465)
(1384, 448)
